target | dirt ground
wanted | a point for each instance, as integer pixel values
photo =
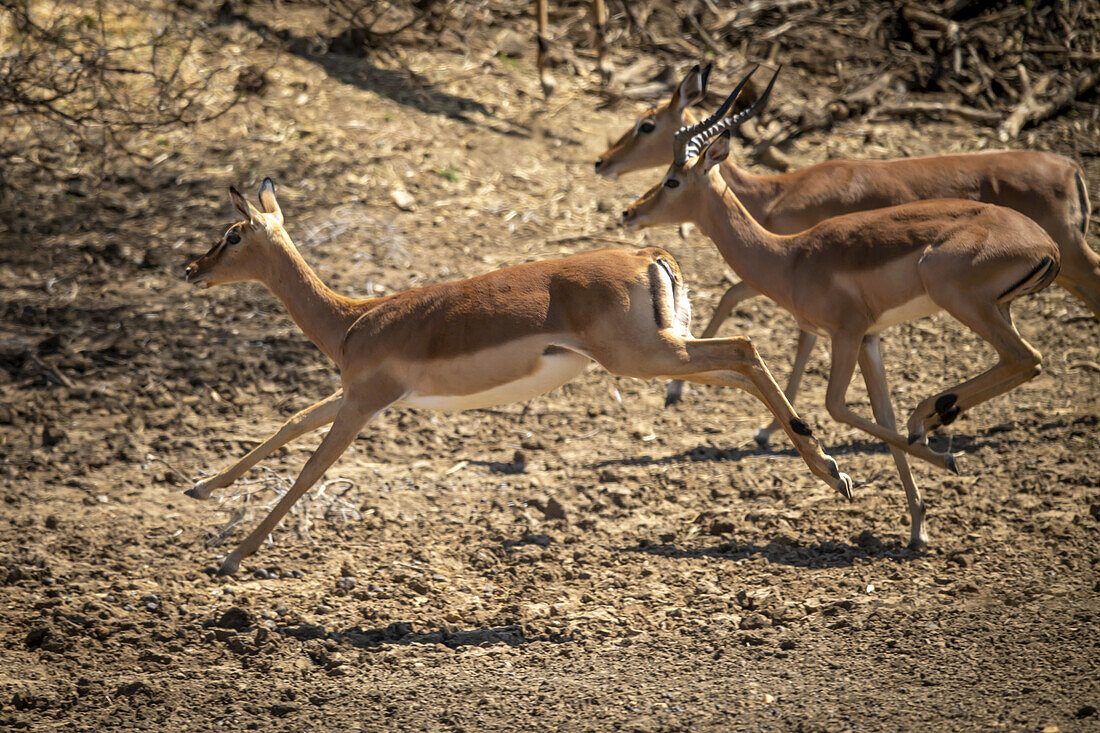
(587, 561)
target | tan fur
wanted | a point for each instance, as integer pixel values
(1045, 187)
(850, 276)
(502, 336)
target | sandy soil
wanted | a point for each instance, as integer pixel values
(588, 561)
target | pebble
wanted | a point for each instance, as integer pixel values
(322, 608)
(261, 574)
(346, 582)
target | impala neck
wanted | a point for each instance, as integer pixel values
(322, 315)
(752, 251)
(752, 190)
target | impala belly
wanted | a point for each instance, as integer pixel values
(552, 370)
(918, 307)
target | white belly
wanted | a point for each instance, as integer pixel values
(919, 307)
(554, 370)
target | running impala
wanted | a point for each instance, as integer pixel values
(1046, 187)
(502, 337)
(853, 276)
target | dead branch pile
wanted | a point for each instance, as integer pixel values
(1003, 64)
(79, 79)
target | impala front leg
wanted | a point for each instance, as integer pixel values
(350, 419)
(309, 419)
(845, 354)
(738, 355)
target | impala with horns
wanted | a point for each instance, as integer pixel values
(1046, 187)
(502, 337)
(850, 277)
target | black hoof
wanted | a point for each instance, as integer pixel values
(672, 399)
(952, 464)
(915, 436)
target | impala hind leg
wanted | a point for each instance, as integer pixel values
(806, 341)
(733, 362)
(1018, 362)
(349, 420)
(599, 21)
(846, 348)
(309, 419)
(1080, 271)
(874, 376)
(730, 300)
(546, 79)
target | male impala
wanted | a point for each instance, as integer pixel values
(852, 276)
(502, 337)
(1046, 187)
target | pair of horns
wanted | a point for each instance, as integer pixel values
(690, 140)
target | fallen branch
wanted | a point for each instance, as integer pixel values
(936, 109)
(1029, 112)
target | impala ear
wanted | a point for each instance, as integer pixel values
(248, 211)
(268, 200)
(717, 151)
(692, 89)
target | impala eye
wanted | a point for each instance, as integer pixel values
(647, 127)
(671, 183)
(233, 238)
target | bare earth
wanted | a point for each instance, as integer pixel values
(588, 561)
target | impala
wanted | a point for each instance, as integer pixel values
(852, 276)
(502, 337)
(1048, 188)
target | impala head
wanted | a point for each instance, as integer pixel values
(239, 253)
(697, 150)
(646, 144)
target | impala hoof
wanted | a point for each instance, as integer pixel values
(195, 492)
(844, 486)
(674, 393)
(918, 544)
(915, 436)
(229, 566)
(762, 437)
(951, 464)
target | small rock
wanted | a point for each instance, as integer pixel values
(281, 609)
(346, 582)
(133, 688)
(1085, 711)
(755, 621)
(261, 574)
(403, 199)
(511, 43)
(282, 709)
(52, 435)
(235, 618)
(322, 608)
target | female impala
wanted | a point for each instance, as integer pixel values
(502, 337)
(852, 276)
(1048, 188)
